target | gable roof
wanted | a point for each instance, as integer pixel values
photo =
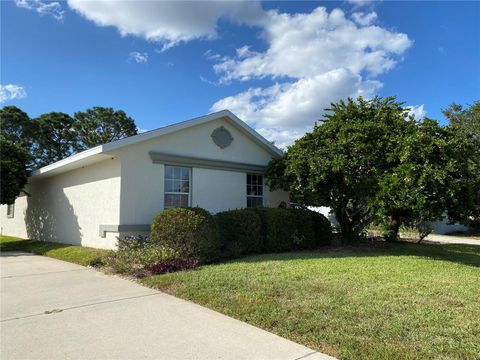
(101, 152)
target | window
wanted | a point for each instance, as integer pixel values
(254, 190)
(10, 210)
(177, 187)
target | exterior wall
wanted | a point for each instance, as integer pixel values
(14, 226)
(142, 192)
(122, 195)
(69, 207)
(218, 190)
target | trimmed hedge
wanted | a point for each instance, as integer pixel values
(271, 230)
(191, 232)
(240, 232)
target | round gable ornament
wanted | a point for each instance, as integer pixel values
(222, 137)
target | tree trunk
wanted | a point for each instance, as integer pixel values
(392, 228)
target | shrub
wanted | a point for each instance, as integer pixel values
(191, 232)
(168, 266)
(417, 228)
(135, 253)
(322, 228)
(277, 225)
(293, 229)
(240, 232)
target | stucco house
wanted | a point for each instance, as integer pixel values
(216, 162)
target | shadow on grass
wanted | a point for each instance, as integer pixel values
(457, 253)
(33, 246)
(72, 253)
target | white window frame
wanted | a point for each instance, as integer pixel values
(255, 196)
(189, 194)
(10, 211)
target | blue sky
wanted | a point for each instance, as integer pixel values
(275, 64)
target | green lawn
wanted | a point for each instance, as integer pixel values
(411, 301)
(76, 254)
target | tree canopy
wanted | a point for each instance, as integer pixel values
(15, 125)
(53, 136)
(370, 160)
(13, 170)
(100, 125)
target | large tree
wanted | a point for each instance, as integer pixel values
(418, 187)
(13, 169)
(15, 125)
(340, 162)
(465, 138)
(100, 125)
(465, 119)
(55, 138)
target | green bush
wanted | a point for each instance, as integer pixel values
(240, 232)
(272, 230)
(190, 232)
(322, 229)
(293, 229)
(278, 227)
(135, 253)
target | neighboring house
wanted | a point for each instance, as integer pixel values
(216, 162)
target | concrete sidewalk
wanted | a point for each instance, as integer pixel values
(451, 239)
(51, 309)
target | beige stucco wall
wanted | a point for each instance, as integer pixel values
(14, 226)
(128, 190)
(69, 207)
(142, 192)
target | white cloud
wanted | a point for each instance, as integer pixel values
(53, 9)
(364, 19)
(284, 112)
(138, 57)
(418, 111)
(315, 58)
(167, 22)
(304, 44)
(359, 3)
(11, 92)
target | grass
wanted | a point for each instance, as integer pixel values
(409, 301)
(75, 254)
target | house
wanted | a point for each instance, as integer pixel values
(216, 162)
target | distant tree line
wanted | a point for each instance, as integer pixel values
(370, 161)
(28, 144)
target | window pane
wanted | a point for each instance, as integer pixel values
(254, 201)
(168, 172)
(168, 185)
(185, 186)
(177, 173)
(185, 174)
(182, 200)
(176, 186)
(175, 200)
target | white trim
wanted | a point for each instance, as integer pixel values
(75, 160)
(71, 159)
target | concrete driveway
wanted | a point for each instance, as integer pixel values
(451, 239)
(51, 309)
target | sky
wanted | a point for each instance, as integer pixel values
(276, 65)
